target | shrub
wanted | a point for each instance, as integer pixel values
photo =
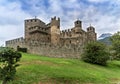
(22, 49)
(8, 63)
(96, 53)
(116, 45)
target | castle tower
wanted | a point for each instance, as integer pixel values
(91, 35)
(78, 26)
(31, 25)
(78, 23)
(55, 30)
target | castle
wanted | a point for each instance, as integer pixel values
(48, 40)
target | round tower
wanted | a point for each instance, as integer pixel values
(55, 30)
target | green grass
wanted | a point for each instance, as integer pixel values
(36, 69)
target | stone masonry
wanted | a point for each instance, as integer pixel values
(47, 39)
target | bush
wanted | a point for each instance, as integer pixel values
(115, 39)
(96, 53)
(21, 49)
(8, 63)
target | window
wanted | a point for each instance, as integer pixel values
(77, 22)
(70, 41)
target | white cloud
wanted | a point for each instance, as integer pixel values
(101, 17)
(97, 1)
(11, 23)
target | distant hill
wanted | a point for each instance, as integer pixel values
(106, 41)
(104, 35)
(105, 38)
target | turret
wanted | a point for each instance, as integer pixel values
(91, 29)
(78, 23)
(78, 26)
(55, 21)
(55, 30)
(91, 35)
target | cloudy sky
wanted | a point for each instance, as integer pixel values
(104, 15)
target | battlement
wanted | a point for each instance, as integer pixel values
(55, 22)
(90, 29)
(37, 29)
(21, 39)
(54, 18)
(66, 33)
(34, 20)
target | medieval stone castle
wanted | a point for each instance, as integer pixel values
(48, 40)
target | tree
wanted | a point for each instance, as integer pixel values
(115, 39)
(96, 53)
(8, 63)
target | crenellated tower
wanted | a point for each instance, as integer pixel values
(91, 35)
(55, 30)
(36, 30)
(33, 26)
(78, 26)
(78, 23)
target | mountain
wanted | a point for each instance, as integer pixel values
(102, 36)
(106, 41)
(105, 38)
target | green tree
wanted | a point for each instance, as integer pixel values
(96, 53)
(115, 39)
(8, 63)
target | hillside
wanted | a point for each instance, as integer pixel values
(105, 41)
(36, 69)
(105, 38)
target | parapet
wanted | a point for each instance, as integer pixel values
(54, 18)
(66, 33)
(90, 29)
(37, 29)
(21, 39)
(55, 22)
(38, 21)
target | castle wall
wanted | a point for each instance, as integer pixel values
(47, 49)
(15, 42)
(42, 37)
(67, 51)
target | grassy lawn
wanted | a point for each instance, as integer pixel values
(36, 69)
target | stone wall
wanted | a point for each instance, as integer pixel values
(67, 51)
(15, 42)
(47, 49)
